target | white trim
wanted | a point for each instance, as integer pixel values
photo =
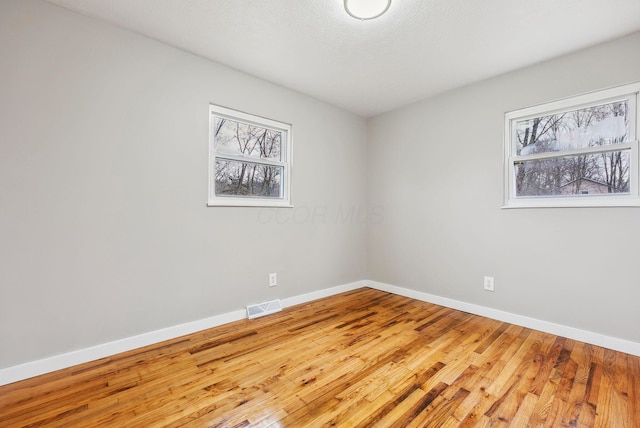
(630, 92)
(249, 159)
(226, 201)
(593, 98)
(586, 201)
(619, 147)
(598, 339)
(286, 161)
(315, 295)
(58, 362)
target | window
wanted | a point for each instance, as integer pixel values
(581, 151)
(249, 160)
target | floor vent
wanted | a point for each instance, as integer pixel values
(262, 309)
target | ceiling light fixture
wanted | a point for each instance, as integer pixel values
(366, 9)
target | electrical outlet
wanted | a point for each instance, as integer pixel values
(273, 279)
(488, 283)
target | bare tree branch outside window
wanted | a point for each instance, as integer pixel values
(578, 151)
(597, 126)
(250, 158)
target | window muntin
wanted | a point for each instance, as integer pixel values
(581, 151)
(250, 160)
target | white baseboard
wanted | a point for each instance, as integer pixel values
(315, 295)
(609, 342)
(57, 362)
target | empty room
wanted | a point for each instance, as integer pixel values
(297, 213)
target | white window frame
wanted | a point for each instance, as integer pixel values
(629, 92)
(215, 112)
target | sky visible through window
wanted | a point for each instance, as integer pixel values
(595, 126)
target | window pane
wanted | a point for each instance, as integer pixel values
(240, 138)
(588, 127)
(248, 179)
(600, 173)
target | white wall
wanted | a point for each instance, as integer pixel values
(105, 233)
(435, 170)
(104, 229)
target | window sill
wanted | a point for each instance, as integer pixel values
(255, 204)
(575, 202)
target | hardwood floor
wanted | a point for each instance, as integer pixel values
(363, 358)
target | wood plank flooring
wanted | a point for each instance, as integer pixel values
(360, 359)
